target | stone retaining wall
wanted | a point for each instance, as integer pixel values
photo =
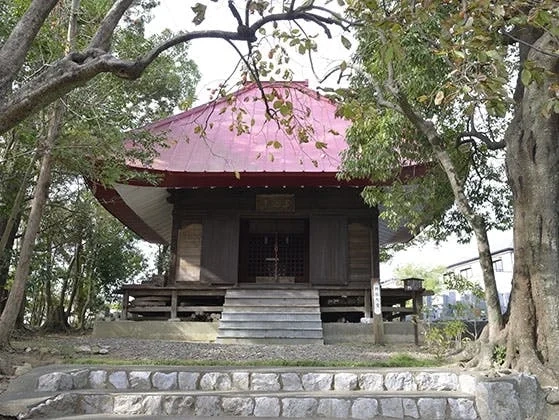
(288, 392)
(333, 332)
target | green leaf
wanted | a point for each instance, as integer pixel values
(526, 77)
(345, 42)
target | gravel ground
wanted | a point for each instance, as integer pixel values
(157, 350)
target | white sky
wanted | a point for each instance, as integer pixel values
(216, 61)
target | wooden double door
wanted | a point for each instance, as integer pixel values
(274, 251)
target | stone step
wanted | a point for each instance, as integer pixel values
(264, 316)
(275, 340)
(271, 310)
(274, 392)
(279, 324)
(306, 405)
(263, 293)
(270, 316)
(269, 333)
(270, 302)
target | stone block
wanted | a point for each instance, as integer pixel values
(299, 407)
(172, 405)
(98, 379)
(462, 408)
(497, 400)
(164, 381)
(140, 380)
(267, 407)
(432, 408)
(62, 405)
(240, 381)
(392, 407)
(237, 406)
(215, 381)
(188, 381)
(400, 381)
(96, 404)
(265, 382)
(80, 378)
(437, 381)
(119, 380)
(317, 381)
(207, 405)
(133, 404)
(291, 382)
(467, 383)
(410, 408)
(531, 395)
(371, 382)
(345, 382)
(55, 381)
(333, 408)
(364, 408)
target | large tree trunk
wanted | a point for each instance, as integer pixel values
(17, 292)
(533, 169)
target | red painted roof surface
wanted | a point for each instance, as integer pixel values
(265, 146)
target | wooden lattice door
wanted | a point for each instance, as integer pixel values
(274, 251)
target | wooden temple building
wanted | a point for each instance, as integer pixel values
(261, 230)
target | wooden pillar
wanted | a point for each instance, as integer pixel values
(368, 302)
(417, 314)
(173, 261)
(378, 326)
(125, 298)
(174, 316)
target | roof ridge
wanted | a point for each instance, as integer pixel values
(300, 85)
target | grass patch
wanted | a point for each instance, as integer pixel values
(397, 360)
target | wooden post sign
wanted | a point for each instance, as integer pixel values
(378, 327)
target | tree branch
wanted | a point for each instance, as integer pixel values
(103, 37)
(467, 136)
(77, 68)
(14, 50)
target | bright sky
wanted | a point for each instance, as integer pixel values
(216, 61)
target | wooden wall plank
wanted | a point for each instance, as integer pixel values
(359, 238)
(189, 252)
(220, 249)
(328, 250)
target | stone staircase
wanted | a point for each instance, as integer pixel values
(270, 316)
(186, 392)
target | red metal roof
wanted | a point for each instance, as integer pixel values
(265, 154)
(266, 146)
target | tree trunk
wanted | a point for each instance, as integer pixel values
(75, 282)
(494, 315)
(532, 163)
(40, 193)
(5, 259)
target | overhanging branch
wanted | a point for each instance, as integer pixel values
(77, 68)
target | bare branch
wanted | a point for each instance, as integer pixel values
(299, 14)
(530, 45)
(15, 48)
(103, 36)
(469, 136)
(235, 12)
(77, 68)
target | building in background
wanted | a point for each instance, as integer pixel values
(452, 304)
